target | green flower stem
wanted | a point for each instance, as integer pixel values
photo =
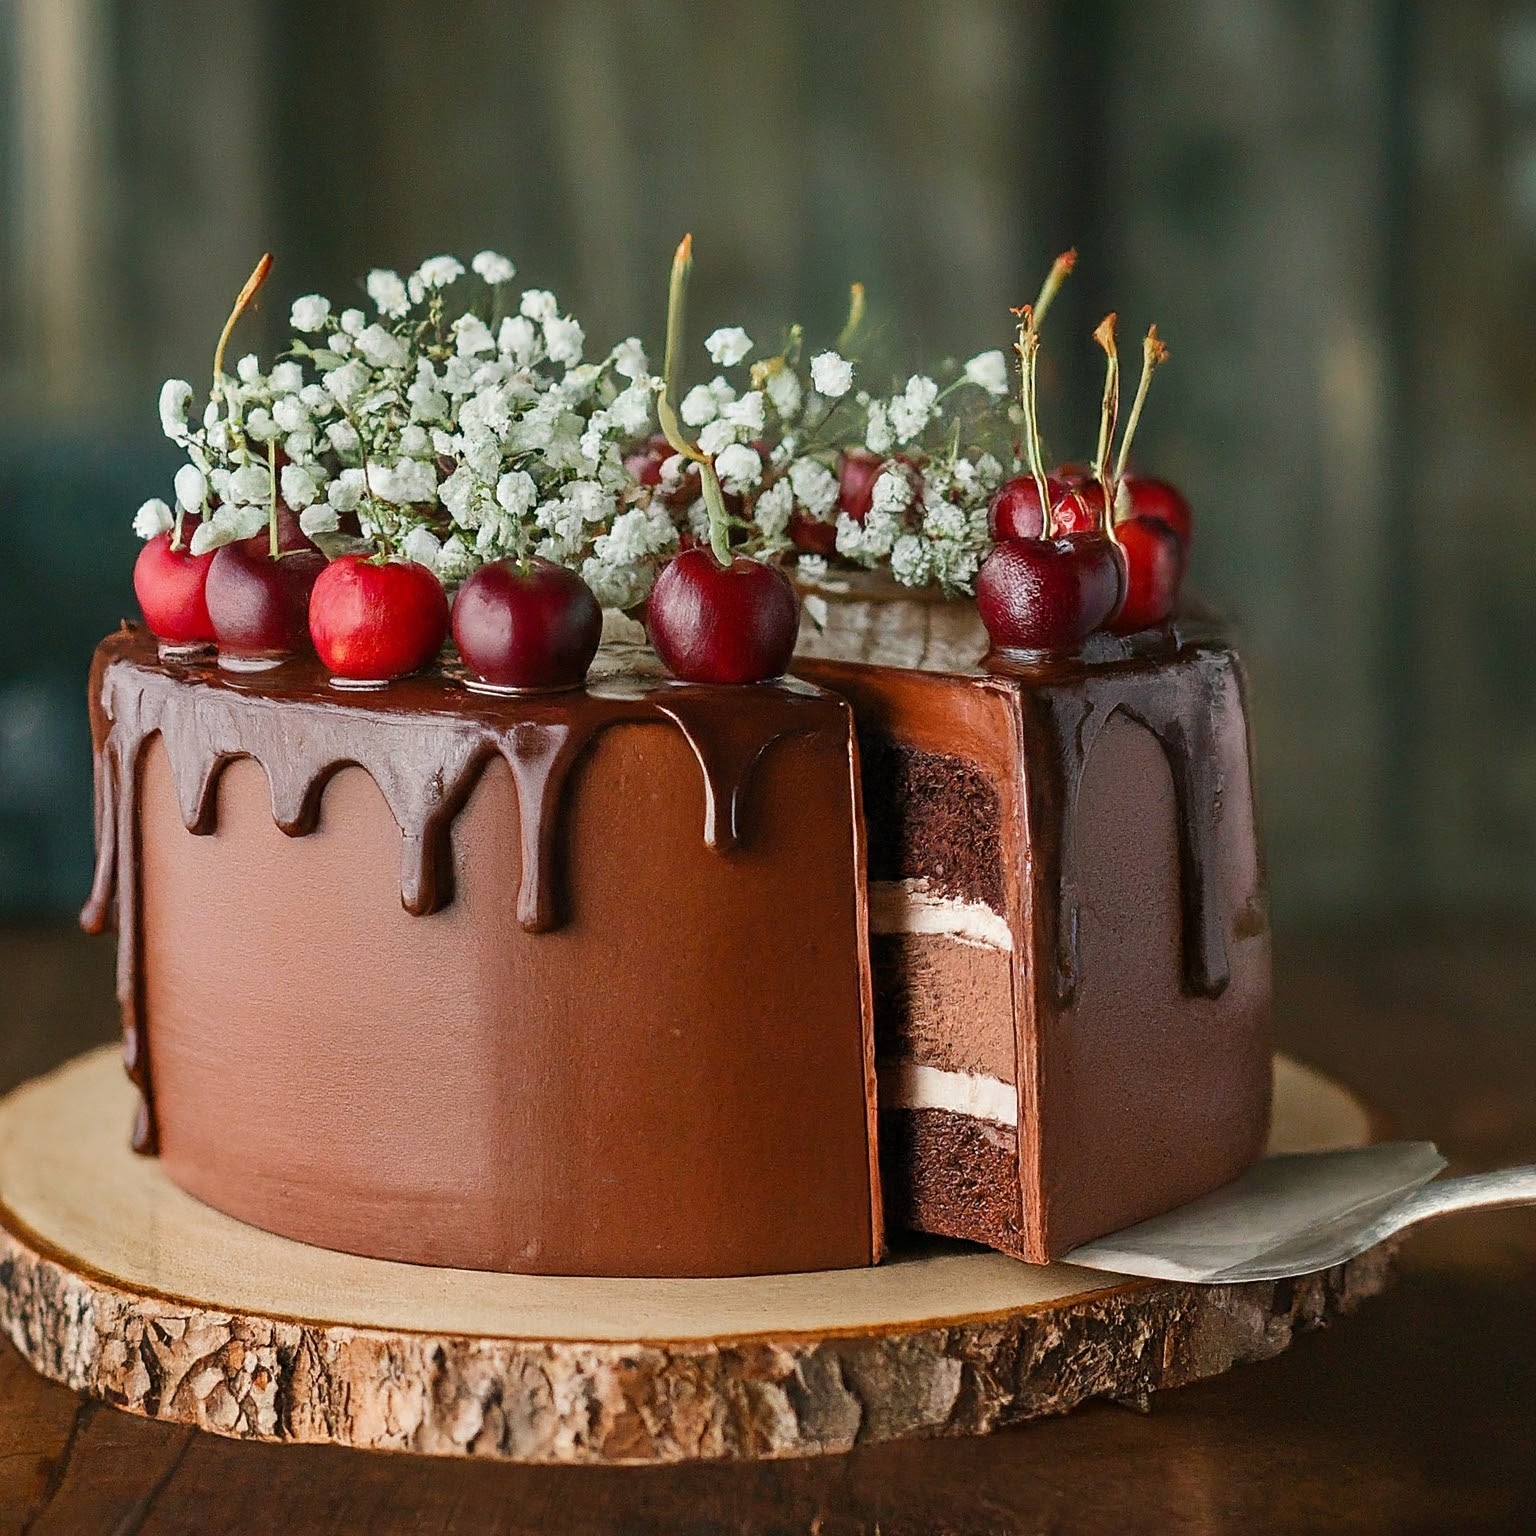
(272, 548)
(1109, 411)
(855, 320)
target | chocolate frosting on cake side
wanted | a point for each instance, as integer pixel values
(682, 1101)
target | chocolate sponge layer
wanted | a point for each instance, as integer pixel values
(952, 1175)
(932, 817)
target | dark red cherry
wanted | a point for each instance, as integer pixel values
(713, 623)
(857, 471)
(371, 620)
(527, 625)
(260, 606)
(1014, 512)
(1079, 509)
(1159, 499)
(1049, 594)
(1154, 567)
(170, 585)
(643, 462)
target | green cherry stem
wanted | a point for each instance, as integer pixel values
(855, 320)
(1060, 270)
(272, 548)
(1028, 348)
(1109, 413)
(666, 403)
(1153, 355)
(242, 303)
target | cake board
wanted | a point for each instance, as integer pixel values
(115, 1283)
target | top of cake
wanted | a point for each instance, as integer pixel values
(459, 440)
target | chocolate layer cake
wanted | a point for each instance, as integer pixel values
(572, 984)
(1069, 938)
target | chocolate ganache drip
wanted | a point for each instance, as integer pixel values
(1181, 700)
(424, 742)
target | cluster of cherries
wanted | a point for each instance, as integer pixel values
(1083, 548)
(520, 626)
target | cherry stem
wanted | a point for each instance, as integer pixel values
(1153, 355)
(666, 407)
(272, 548)
(1109, 412)
(242, 303)
(1028, 348)
(1060, 270)
(850, 330)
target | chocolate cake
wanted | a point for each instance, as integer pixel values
(1068, 934)
(574, 984)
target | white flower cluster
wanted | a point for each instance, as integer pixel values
(451, 440)
(776, 438)
(927, 521)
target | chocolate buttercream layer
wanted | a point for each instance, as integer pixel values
(944, 1002)
(635, 1074)
(953, 1176)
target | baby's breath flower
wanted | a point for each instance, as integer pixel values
(421, 545)
(739, 467)
(878, 437)
(814, 485)
(319, 519)
(989, 371)
(388, 292)
(286, 379)
(351, 322)
(784, 390)
(911, 561)
(892, 491)
(440, 271)
(727, 346)
(345, 382)
(563, 338)
(191, 488)
(381, 349)
(717, 435)
(310, 313)
(911, 410)
(629, 360)
(290, 414)
(539, 304)
(831, 374)
(472, 336)
(516, 493)
(248, 369)
(175, 398)
(774, 508)
(494, 269)
(299, 486)
(154, 517)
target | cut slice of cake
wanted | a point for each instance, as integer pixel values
(1068, 936)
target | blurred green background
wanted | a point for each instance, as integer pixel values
(1328, 208)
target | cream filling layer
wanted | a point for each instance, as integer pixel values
(907, 906)
(910, 1085)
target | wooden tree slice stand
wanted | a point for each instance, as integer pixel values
(115, 1283)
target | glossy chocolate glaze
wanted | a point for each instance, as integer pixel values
(1132, 885)
(424, 741)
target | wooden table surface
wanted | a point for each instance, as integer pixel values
(1418, 1415)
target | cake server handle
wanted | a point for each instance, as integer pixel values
(1470, 1192)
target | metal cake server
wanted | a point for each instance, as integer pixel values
(1300, 1212)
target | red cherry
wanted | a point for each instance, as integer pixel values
(857, 471)
(373, 621)
(1014, 512)
(713, 623)
(170, 586)
(1154, 567)
(260, 606)
(1073, 476)
(811, 535)
(532, 626)
(1079, 509)
(1159, 499)
(643, 462)
(1048, 594)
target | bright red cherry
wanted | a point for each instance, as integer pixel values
(529, 626)
(1049, 594)
(713, 623)
(1159, 499)
(1154, 567)
(1014, 512)
(371, 621)
(170, 585)
(260, 606)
